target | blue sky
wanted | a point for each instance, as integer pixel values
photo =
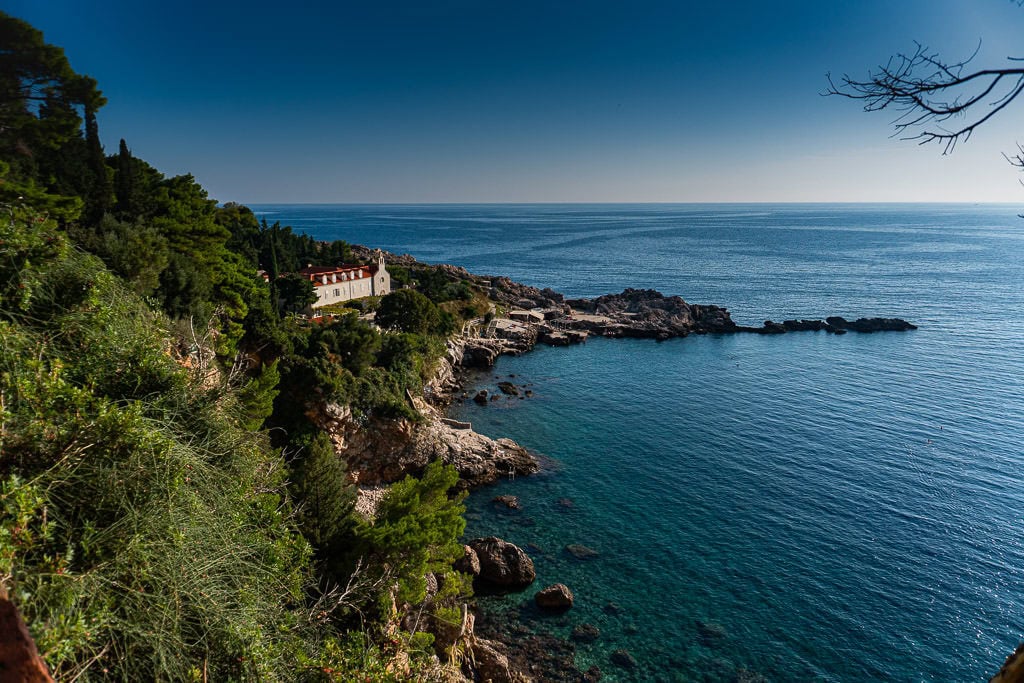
(468, 100)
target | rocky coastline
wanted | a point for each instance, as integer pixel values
(521, 317)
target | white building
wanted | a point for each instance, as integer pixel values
(346, 282)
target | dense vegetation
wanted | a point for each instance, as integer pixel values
(168, 510)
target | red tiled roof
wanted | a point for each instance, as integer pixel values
(315, 274)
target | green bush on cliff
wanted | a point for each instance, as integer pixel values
(144, 529)
(417, 529)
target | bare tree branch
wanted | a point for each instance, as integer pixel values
(929, 92)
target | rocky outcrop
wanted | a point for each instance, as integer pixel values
(870, 324)
(513, 293)
(446, 379)
(481, 353)
(382, 451)
(833, 324)
(648, 313)
(469, 563)
(556, 598)
(503, 565)
(1012, 670)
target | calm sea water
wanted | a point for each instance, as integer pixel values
(808, 507)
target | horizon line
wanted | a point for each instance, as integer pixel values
(634, 203)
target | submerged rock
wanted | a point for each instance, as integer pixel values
(581, 552)
(586, 633)
(710, 634)
(510, 502)
(622, 658)
(612, 608)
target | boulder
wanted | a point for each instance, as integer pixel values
(555, 597)
(481, 397)
(469, 563)
(503, 564)
(490, 664)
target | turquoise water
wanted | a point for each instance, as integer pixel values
(838, 508)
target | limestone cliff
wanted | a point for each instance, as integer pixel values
(383, 451)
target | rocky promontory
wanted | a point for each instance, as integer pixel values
(383, 451)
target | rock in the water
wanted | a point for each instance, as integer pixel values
(586, 633)
(556, 597)
(511, 502)
(508, 388)
(623, 659)
(592, 675)
(748, 676)
(503, 564)
(581, 552)
(481, 397)
(566, 503)
(869, 324)
(469, 563)
(613, 608)
(495, 397)
(710, 634)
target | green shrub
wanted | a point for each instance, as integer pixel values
(417, 529)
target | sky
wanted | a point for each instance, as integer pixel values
(562, 101)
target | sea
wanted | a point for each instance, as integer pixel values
(801, 507)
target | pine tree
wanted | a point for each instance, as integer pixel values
(322, 492)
